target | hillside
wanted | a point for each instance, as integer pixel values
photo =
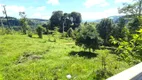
(24, 58)
(16, 22)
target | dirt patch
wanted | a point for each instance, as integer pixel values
(28, 56)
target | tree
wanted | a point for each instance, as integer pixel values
(134, 24)
(64, 21)
(23, 22)
(88, 37)
(5, 12)
(105, 29)
(76, 19)
(134, 9)
(40, 30)
(56, 19)
(117, 32)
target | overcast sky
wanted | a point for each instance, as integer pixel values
(89, 9)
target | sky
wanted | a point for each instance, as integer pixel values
(89, 9)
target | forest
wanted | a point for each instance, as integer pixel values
(66, 48)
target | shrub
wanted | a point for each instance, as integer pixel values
(4, 31)
(30, 34)
(88, 37)
(40, 30)
(70, 33)
(130, 50)
(64, 35)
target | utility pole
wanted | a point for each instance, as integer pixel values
(4, 12)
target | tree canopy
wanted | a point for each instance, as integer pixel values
(64, 21)
(88, 37)
(105, 29)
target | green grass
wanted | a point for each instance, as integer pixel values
(24, 58)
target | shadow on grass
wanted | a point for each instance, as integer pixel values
(83, 54)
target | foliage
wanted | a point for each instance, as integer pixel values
(135, 24)
(76, 19)
(105, 29)
(39, 59)
(40, 30)
(132, 9)
(70, 33)
(55, 19)
(64, 21)
(24, 25)
(88, 37)
(30, 33)
(130, 50)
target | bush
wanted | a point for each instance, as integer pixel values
(130, 50)
(4, 31)
(40, 30)
(88, 37)
(64, 35)
(30, 34)
(70, 33)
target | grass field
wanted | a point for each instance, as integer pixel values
(24, 58)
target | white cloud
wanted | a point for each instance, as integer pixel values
(99, 15)
(123, 1)
(31, 12)
(12, 10)
(39, 12)
(53, 2)
(41, 8)
(105, 4)
(91, 3)
(40, 15)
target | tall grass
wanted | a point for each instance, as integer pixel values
(24, 58)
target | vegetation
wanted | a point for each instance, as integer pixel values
(40, 30)
(88, 37)
(71, 49)
(25, 58)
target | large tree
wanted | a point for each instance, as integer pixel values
(64, 21)
(56, 19)
(105, 29)
(76, 19)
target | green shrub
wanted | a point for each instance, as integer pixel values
(88, 37)
(130, 50)
(64, 35)
(30, 34)
(4, 31)
(70, 33)
(40, 30)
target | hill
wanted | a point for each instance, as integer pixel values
(16, 22)
(24, 58)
